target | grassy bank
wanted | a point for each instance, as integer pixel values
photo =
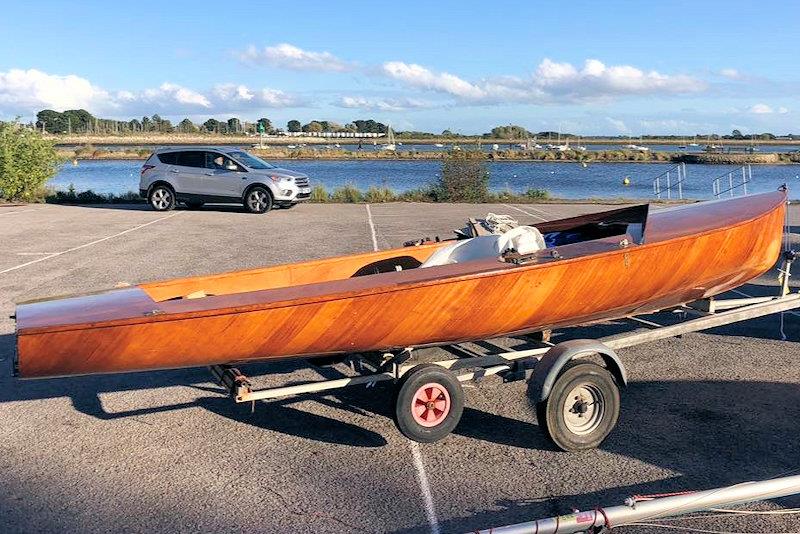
(573, 156)
(155, 138)
(347, 194)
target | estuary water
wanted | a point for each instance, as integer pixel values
(561, 179)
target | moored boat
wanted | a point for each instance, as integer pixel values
(561, 273)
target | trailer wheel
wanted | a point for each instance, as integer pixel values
(582, 408)
(428, 403)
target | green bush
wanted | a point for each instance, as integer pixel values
(537, 194)
(418, 195)
(464, 178)
(84, 150)
(503, 196)
(318, 194)
(376, 195)
(27, 162)
(90, 197)
(347, 194)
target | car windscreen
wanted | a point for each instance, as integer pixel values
(248, 160)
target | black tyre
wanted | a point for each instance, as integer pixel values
(258, 200)
(161, 198)
(428, 403)
(582, 409)
(195, 204)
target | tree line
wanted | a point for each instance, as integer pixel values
(80, 121)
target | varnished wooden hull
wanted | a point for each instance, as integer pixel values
(689, 253)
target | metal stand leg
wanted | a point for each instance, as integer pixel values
(786, 271)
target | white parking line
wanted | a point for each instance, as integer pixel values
(419, 465)
(425, 487)
(527, 212)
(17, 211)
(36, 253)
(372, 229)
(96, 241)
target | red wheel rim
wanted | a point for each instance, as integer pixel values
(430, 405)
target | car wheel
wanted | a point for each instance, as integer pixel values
(258, 200)
(195, 205)
(162, 198)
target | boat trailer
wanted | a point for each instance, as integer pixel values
(574, 385)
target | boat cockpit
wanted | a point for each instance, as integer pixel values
(586, 234)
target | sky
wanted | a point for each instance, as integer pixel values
(590, 68)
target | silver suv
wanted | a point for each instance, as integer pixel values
(196, 175)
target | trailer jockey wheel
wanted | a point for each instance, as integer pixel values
(582, 408)
(428, 403)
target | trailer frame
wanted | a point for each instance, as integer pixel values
(542, 366)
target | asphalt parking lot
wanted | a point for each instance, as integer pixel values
(166, 451)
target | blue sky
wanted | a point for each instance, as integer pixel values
(613, 67)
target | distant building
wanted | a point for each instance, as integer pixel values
(331, 134)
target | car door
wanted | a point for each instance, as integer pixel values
(191, 173)
(225, 177)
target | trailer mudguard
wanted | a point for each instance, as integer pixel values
(549, 367)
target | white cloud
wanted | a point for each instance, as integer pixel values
(665, 125)
(618, 125)
(418, 76)
(170, 92)
(231, 91)
(23, 92)
(274, 98)
(26, 90)
(731, 74)
(288, 56)
(381, 104)
(125, 96)
(761, 109)
(550, 82)
(764, 109)
(596, 79)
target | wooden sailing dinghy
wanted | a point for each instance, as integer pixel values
(583, 270)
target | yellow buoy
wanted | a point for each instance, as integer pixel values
(626, 181)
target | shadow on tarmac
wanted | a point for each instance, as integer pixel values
(712, 433)
(226, 208)
(718, 413)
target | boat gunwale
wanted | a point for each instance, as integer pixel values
(258, 270)
(378, 290)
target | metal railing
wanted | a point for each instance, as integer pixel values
(732, 180)
(672, 179)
